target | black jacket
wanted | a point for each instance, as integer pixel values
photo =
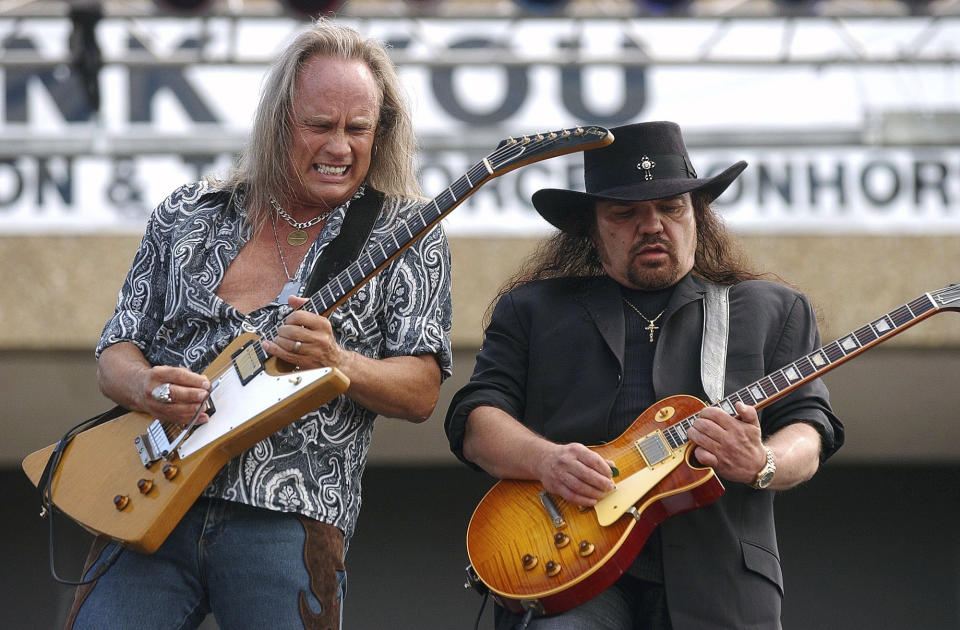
(552, 357)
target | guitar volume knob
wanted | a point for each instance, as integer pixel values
(586, 548)
(121, 501)
(552, 568)
(529, 561)
(144, 486)
(561, 540)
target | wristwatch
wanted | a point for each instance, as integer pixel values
(765, 476)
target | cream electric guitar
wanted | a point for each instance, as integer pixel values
(132, 478)
(537, 552)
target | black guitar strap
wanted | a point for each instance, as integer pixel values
(48, 510)
(345, 248)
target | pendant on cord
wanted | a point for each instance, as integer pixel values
(651, 323)
(297, 238)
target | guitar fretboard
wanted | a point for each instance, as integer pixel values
(771, 387)
(416, 225)
(510, 154)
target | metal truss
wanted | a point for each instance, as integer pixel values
(481, 9)
(934, 39)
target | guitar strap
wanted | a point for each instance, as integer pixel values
(344, 249)
(713, 349)
(44, 485)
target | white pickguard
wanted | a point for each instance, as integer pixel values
(235, 403)
(629, 491)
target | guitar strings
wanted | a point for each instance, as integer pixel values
(270, 335)
(630, 455)
(545, 141)
(495, 155)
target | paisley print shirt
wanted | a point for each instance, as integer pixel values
(168, 307)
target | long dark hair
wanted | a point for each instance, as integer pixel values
(717, 258)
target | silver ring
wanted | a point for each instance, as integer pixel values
(161, 393)
(296, 347)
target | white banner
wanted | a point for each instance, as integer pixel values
(821, 190)
(61, 170)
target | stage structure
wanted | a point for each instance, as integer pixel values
(848, 111)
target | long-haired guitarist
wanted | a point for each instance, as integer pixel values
(607, 319)
(264, 546)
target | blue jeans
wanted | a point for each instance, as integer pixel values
(630, 604)
(252, 568)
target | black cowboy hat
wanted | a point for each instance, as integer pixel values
(645, 161)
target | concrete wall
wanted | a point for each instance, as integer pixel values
(866, 544)
(57, 292)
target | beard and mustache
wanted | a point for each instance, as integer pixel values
(649, 276)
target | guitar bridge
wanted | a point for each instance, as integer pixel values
(153, 444)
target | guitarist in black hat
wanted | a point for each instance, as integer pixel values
(641, 296)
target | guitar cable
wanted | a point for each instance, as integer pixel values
(522, 625)
(48, 509)
(527, 616)
(483, 604)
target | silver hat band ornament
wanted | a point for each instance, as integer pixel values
(646, 164)
(161, 393)
(672, 166)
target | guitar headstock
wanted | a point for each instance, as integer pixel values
(513, 153)
(947, 298)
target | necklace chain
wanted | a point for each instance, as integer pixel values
(650, 322)
(295, 224)
(276, 239)
(317, 219)
(291, 287)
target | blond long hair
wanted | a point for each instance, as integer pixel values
(264, 166)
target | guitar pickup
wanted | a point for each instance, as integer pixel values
(653, 448)
(247, 362)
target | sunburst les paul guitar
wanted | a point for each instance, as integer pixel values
(132, 478)
(535, 551)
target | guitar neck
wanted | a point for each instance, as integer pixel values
(512, 153)
(763, 392)
(376, 257)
